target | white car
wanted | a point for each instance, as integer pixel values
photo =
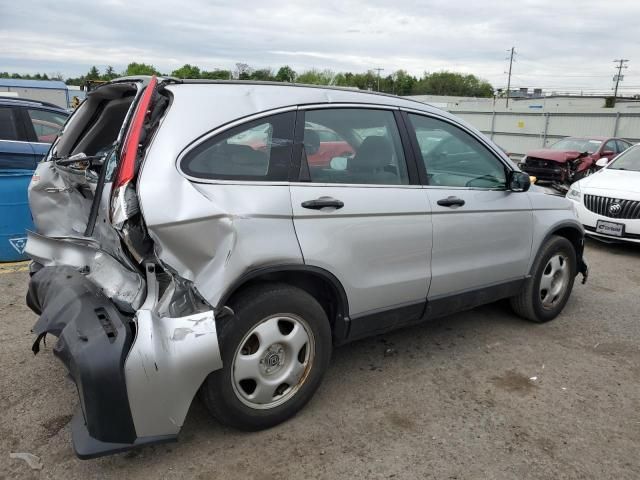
(608, 202)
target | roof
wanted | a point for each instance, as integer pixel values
(46, 84)
(281, 85)
(25, 102)
(209, 105)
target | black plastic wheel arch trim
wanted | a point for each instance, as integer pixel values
(342, 321)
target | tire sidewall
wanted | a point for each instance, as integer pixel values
(219, 384)
(555, 246)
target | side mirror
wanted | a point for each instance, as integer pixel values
(602, 162)
(519, 181)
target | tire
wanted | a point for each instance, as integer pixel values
(260, 347)
(540, 301)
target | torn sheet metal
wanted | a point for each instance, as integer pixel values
(167, 363)
(125, 287)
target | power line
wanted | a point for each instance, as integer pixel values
(513, 51)
(621, 64)
(379, 70)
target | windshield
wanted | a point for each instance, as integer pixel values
(577, 144)
(629, 160)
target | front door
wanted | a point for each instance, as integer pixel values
(482, 232)
(363, 217)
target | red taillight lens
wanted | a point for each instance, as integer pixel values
(126, 169)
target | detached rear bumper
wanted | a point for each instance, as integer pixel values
(136, 375)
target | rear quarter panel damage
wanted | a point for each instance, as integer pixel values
(211, 233)
(168, 361)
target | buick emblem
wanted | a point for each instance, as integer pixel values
(615, 209)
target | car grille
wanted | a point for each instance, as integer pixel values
(605, 206)
(540, 163)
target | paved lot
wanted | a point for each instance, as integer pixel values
(477, 395)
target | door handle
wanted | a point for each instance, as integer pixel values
(322, 202)
(450, 202)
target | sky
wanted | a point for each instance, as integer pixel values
(561, 45)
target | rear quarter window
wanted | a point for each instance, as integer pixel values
(259, 150)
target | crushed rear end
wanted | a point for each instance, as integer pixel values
(138, 340)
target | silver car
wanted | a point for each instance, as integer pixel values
(222, 237)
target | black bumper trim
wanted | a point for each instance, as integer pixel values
(94, 338)
(87, 447)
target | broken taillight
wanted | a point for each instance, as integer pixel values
(126, 169)
(124, 202)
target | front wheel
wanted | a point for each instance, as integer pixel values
(275, 350)
(546, 293)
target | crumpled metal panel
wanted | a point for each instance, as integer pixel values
(167, 363)
(210, 234)
(125, 287)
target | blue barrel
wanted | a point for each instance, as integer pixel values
(15, 216)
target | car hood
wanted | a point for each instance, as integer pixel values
(613, 183)
(560, 156)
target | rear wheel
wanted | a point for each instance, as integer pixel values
(275, 350)
(546, 293)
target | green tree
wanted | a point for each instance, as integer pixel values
(140, 69)
(187, 71)
(93, 74)
(316, 77)
(262, 74)
(109, 74)
(401, 83)
(243, 71)
(216, 74)
(286, 74)
(455, 84)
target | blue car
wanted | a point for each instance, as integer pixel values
(27, 129)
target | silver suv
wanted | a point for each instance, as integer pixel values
(222, 237)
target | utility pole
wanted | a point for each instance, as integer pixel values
(622, 63)
(513, 51)
(379, 70)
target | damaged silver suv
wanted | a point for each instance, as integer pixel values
(222, 237)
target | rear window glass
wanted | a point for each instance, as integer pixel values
(46, 124)
(258, 150)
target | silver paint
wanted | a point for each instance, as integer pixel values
(168, 361)
(125, 287)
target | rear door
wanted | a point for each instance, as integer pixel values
(482, 232)
(364, 217)
(15, 150)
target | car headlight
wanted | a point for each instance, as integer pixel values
(574, 192)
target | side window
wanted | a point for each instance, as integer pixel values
(258, 150)
(453, 158)
(46, 124)
(354, 145)
(622, 145)
(8, 128)
(610, 146)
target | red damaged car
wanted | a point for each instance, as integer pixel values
(571, 158)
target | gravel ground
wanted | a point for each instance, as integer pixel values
(477, 395)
